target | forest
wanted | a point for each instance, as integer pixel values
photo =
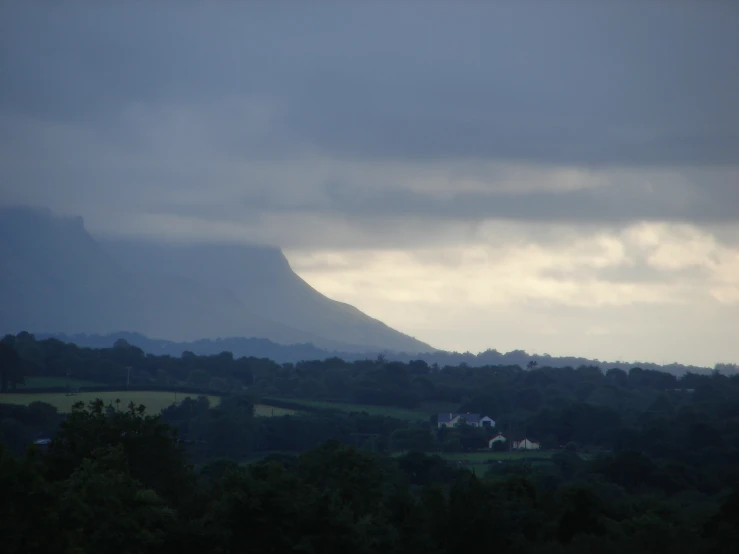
(293, 353)
(638, 460)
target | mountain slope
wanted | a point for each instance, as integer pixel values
(263, 281)
(54, 277)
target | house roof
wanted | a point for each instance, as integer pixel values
(446, 417)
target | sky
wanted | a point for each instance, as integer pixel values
(559, 177)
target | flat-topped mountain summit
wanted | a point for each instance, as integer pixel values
(55, 277)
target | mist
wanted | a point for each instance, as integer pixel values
(562, 178)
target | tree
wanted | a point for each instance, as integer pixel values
(29, 508)
(581, 515)
(267, 509)
(617, 377)
(419, 439)
(11, 366)
(354, 475)
(107, 510)
(149, 446)
(229, 428)
(723, 528)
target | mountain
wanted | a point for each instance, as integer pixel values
(261, 278)
(55, 277)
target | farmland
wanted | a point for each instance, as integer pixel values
(479, 461)
(478, 458)
(388, 411)
(262, 410)
(54, 382)
(482, 457)
(155, 401)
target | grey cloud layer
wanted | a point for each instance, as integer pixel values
(146, 108)
(564, 83)
(701, 203)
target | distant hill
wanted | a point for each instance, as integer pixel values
(56, 278)
(262, 280)
(262, 348)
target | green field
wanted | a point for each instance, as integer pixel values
(482, 457)
(155, 401)
(480, 461)
(389, 411)
(262, 410)
(54, 382)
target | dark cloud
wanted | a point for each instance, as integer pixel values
(512, 137)
(235, 112)
(617, 83)
(707, 203)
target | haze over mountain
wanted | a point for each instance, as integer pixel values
(261, 278)
(295, 353)
(55, 277)
(556, 177)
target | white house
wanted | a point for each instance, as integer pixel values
(497, 438)
(526, 444)
(450, 419)
(486, 421)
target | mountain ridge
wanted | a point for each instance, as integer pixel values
(56, 278)
(262, 279)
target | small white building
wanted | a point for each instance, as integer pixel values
(497, 438)
(526, 444)
(449, 419)
(486, 421)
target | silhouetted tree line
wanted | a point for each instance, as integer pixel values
(366, 381)
(119, 481)
(587, 406)
(293, 353)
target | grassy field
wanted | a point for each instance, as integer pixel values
(389, 411)
(479, 462)
(54, 382)
(482, 457)
(154, 401)
(262, 410)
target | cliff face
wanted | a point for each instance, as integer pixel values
(55, 277)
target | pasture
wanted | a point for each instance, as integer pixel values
(54, 382)
(388, 411)
(482, 457)
(262, 410)
(155, 401)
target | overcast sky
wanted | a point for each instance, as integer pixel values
(557, 177)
